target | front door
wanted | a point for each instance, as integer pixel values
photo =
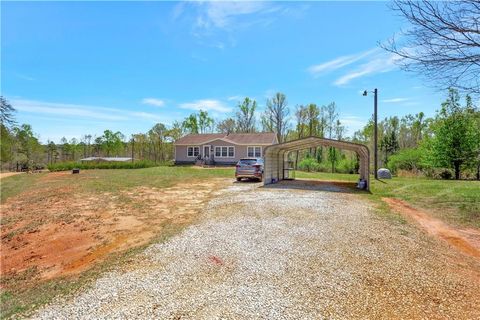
(206, 152)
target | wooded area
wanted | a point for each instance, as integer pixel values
(445, 146)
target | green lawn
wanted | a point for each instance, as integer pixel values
(457, 202)
(111, 180)
(454, 201)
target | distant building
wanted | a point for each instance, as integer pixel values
(220, 148)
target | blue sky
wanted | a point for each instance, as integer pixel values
(83, 67)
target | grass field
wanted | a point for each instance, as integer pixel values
(111, 180)
(457, 202)
(112, 214)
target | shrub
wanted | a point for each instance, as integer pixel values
(347, 165)
(406, 159)
(309, 164)
(65, 166)
(446, 174)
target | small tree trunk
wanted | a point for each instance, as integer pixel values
(456, 165)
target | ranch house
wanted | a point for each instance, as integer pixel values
(221, 148)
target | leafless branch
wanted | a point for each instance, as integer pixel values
(443, 42)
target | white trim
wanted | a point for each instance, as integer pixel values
(228, 151)
(209, 150)
(254, 156)
(194, 156)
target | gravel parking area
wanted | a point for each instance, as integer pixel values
(281, 253)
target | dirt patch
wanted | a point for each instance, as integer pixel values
(464, 240)
(8, 174)
(61, 231)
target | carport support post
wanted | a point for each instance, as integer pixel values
(375, 134)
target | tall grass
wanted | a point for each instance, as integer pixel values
(65, 166)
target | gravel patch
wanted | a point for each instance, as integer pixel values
(275, 253)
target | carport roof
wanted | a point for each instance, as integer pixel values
(308, 142)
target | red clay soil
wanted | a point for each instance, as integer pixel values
(60, 231)
(465, 240)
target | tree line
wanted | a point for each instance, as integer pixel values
(445, 145)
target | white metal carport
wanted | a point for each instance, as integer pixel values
(276, 156)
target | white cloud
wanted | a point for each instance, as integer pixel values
(235, 98)
(368, 62)
(339, 62)
(24, 77)
(222, 14)
(216, 22)
(395, 100)
(206, 105)
(153, 102)
(382, 62)
(77, 111)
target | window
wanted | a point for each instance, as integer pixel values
(193, 151)
(254, 151)
(225, 152)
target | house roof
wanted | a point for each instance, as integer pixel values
(261, 138)
(117, 159)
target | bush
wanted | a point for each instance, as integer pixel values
(347, 165)
(309, 164)
(65, 166)
(446, 174)
(406, 159)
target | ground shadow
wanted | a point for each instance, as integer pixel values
(248, 181)
(317, 185)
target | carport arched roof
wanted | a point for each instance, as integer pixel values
(275, 155)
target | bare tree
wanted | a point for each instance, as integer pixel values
(443, 44)
(245, 116)
(226, 126)
(276, 114)
(331, 117)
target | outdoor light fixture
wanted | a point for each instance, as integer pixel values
(375, 129)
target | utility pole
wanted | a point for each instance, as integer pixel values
(375, 138)
(375, 131)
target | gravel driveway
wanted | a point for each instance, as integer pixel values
(281, 253)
